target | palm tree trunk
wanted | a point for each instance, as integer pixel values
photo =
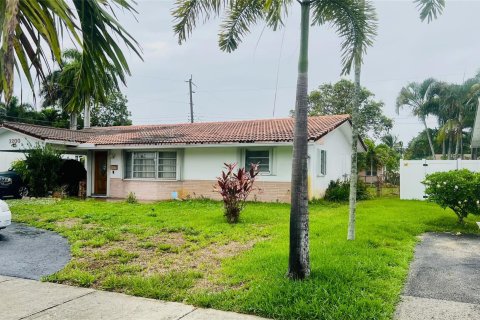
(354, 164)
(73, 121)
(459, 135)
(87, 117)
(429, 137)
(457, 146)
(450, 141)
(444, 151)
(9, 26)
(299, 258)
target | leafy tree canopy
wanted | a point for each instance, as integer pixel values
(113, 113)
(338, 98)
(418, 148)
(381, 154)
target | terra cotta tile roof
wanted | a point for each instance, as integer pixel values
(250, 131)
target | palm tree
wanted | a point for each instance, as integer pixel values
(459, 103)
(422, 101)
(428, 10)
(70, 89)
(354, 156)
(31, 32)
(354, 22)
(17, 111)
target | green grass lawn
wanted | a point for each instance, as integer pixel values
(185, 251)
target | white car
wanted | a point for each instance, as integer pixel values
(5, 215)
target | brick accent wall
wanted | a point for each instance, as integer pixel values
(162, 190)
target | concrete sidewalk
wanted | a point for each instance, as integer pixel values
(29, 299)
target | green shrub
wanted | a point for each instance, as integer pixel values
(20, 167)
(42, 165)
(339, 191)
(458, 190)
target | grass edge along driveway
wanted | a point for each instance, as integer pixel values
(185, 251)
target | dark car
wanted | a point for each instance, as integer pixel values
(12, 185)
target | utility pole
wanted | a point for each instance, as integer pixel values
(190, 84)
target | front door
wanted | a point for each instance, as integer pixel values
(100, 186)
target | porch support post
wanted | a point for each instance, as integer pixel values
(89, 168)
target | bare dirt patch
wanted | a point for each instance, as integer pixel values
(69, 223)
(164, 253)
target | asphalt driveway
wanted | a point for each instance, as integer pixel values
(444, 279)
(31, 253)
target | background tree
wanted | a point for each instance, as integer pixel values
(113, 113)
(338, 98)
(458, 106)
(353, 21)
(17, 111)
(419, 147)
(380, 156)
(70, 90)
(420, 98)
(31, 34)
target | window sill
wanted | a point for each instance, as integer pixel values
(266, 174)
(150, 179)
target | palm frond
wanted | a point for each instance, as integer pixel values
(355, 22)
(40, 24)
(276, 12)
(430, 9)
(239, 18)
(409, 96)
(187, 13)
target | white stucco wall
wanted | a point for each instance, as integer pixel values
(14, 141)
(6, 159)
(207, 163)
(338, 146)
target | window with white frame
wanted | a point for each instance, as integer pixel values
(260, 157)
(322, 162)
(151, 165)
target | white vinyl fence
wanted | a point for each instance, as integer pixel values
(413, 172)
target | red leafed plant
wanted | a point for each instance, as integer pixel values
(234, 186)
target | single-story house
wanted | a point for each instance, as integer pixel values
(159, 162)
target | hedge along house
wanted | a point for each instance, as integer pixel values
(159, 162)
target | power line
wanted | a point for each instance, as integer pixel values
(278, 72)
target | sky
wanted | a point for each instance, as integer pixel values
(258, 80)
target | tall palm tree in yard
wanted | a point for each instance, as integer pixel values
(429, 9)
(69, 88)
(354, 22)
(31, 33)
(354, 156)
(421, 100)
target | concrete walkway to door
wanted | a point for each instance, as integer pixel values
(29, 299)
(444, 279)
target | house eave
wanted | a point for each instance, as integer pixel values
(181, 145)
